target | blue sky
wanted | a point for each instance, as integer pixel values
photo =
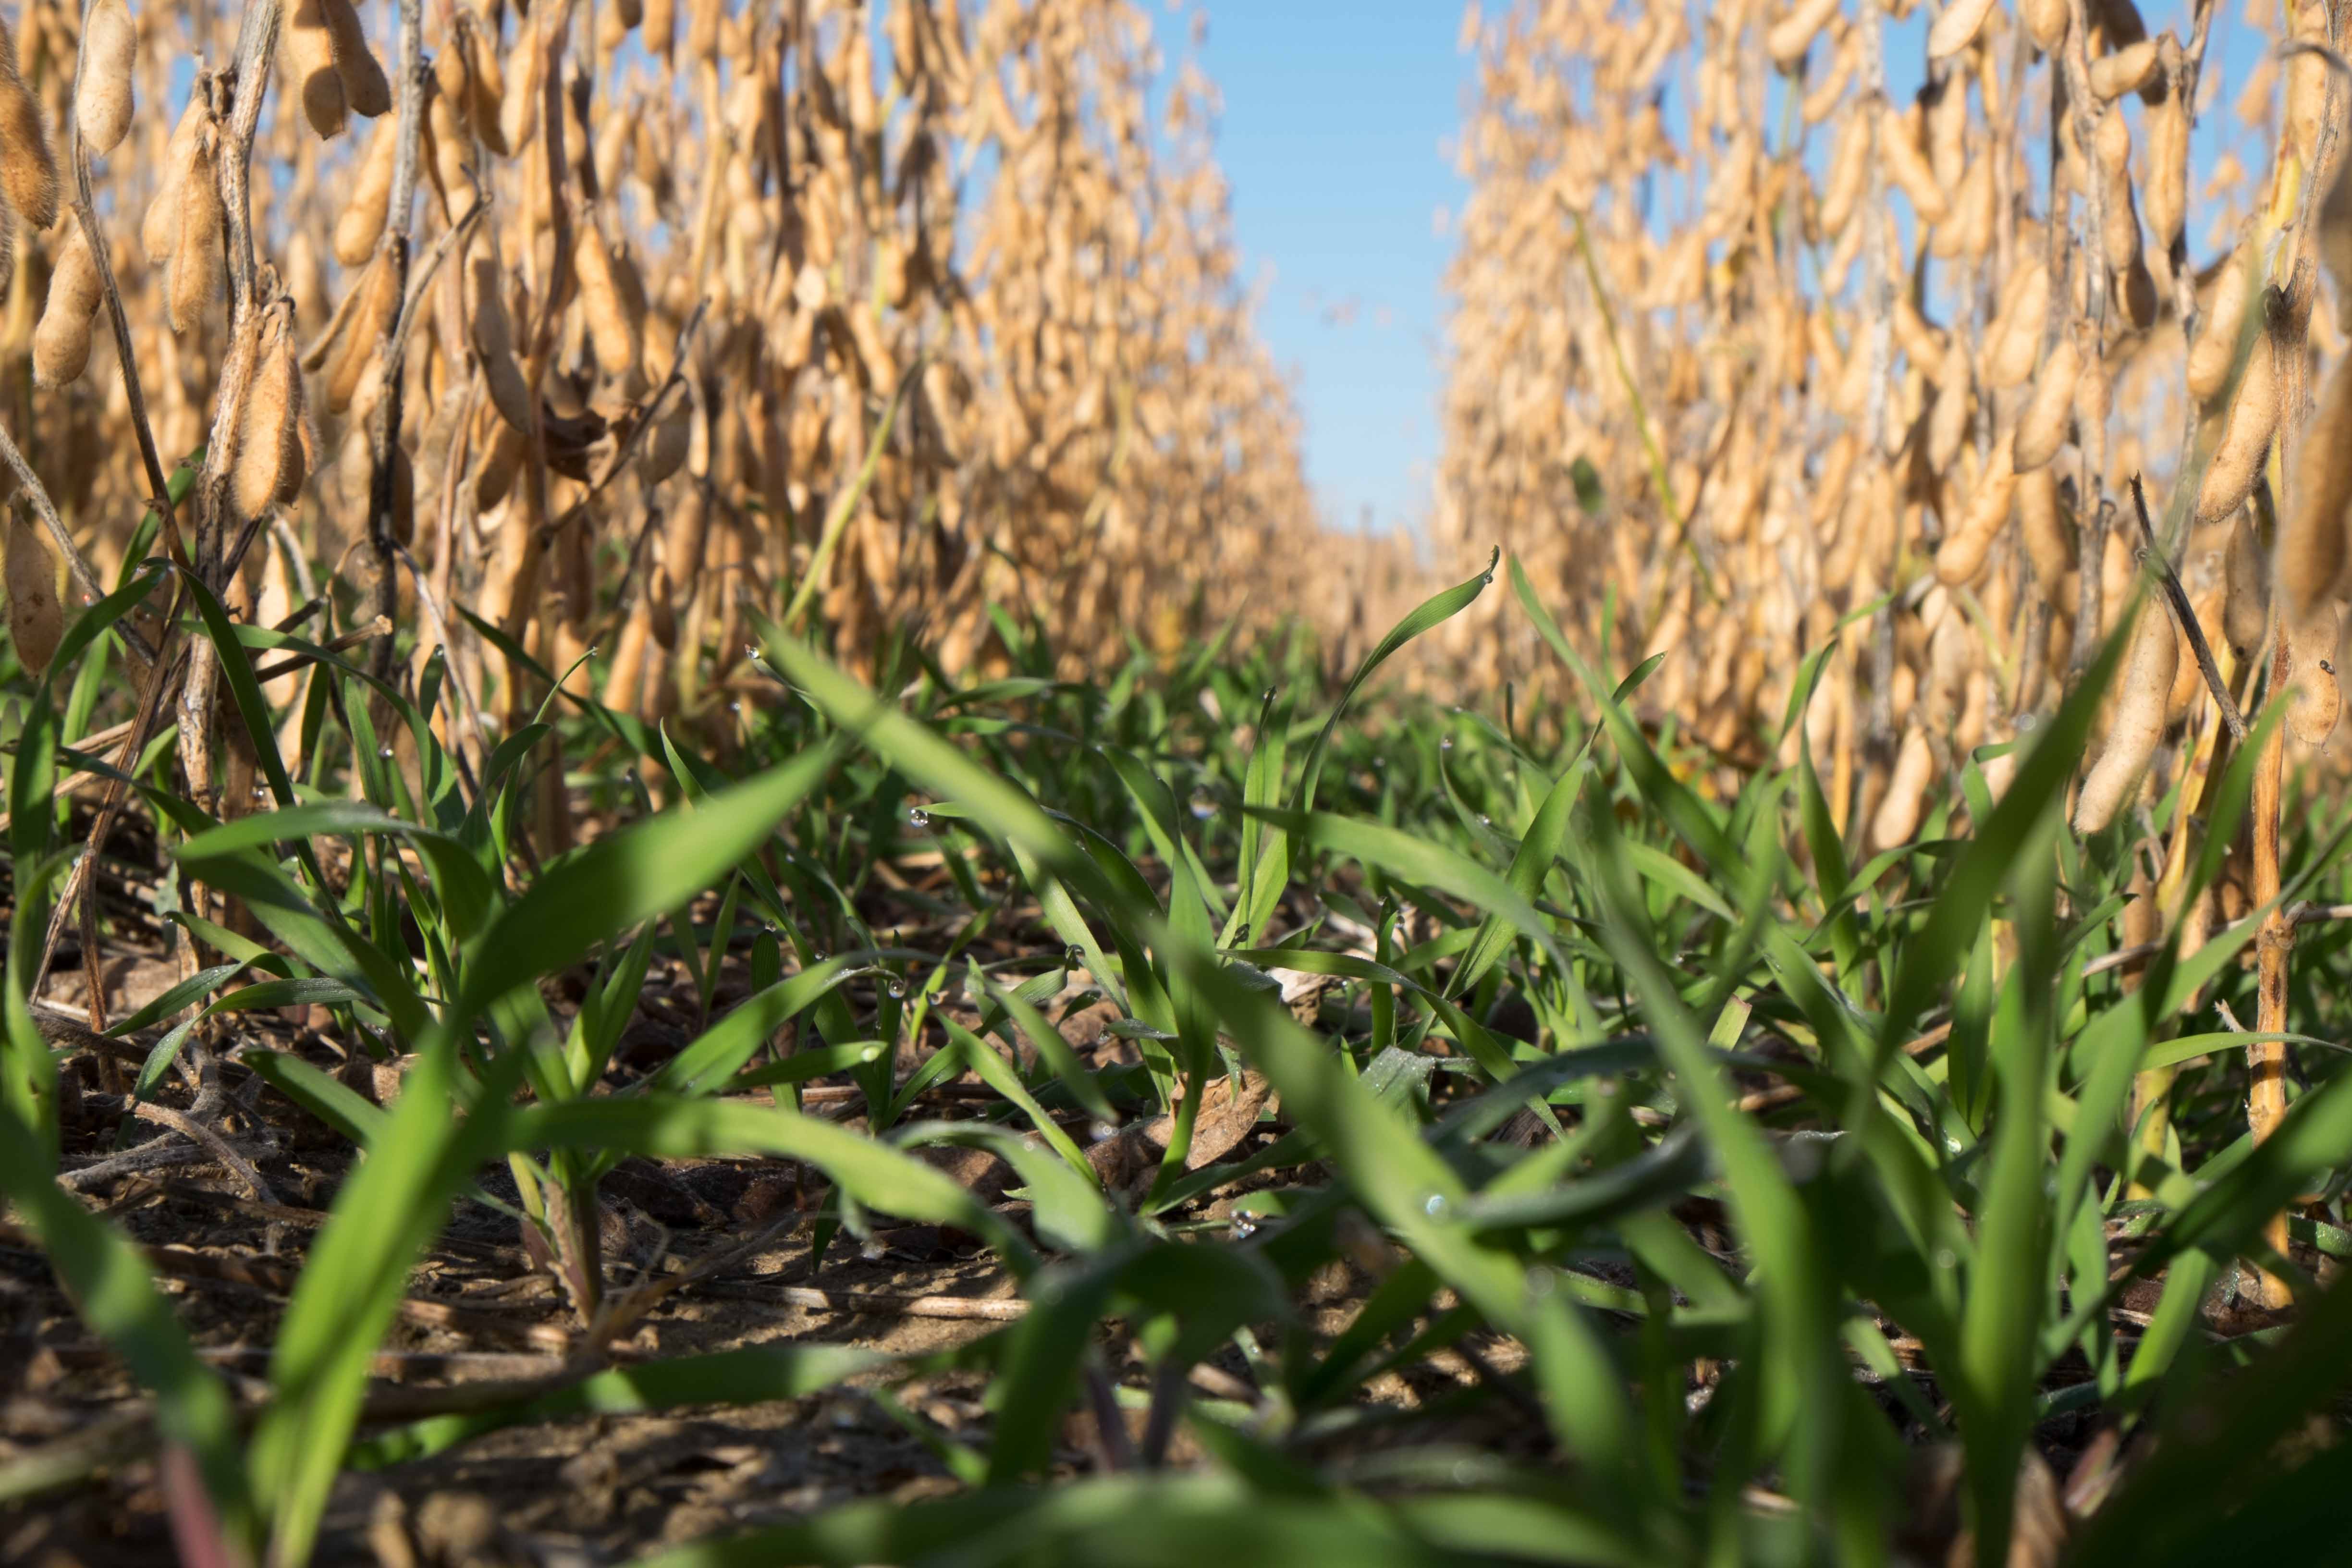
(1337, 119)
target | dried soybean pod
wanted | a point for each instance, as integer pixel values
(2125, 70)
(28, 171)
(502, 457)
(2246, 581)
(2165, 180)
(1948, 417)
(363, 327)
(1897, 817)
(2217, 335)
(2254, 419)
(664, 447)
(1958, 28)
(485, 85)
(159, 232)
(309, 46)
(198, 267)
(2047, 534)
(519, 113)
(660, 29)
(2122, 232)
(361, 223)
(2316, 701)
(110, 50)
(2015, 350)
(1788, 39)
(661, 618)
(61, 341)
(1849, 174)
(267, 467)
(2138, 722)
(1907, 166)
(2045, 22)
(2313, 551)
(364, 87)
(1962, 554)
(616, 334)
(36, 616)
(2041, 428)
(493, 335)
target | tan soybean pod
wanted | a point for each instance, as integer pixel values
(2254, 419)
(663, 451)
(493, 333)
(616, 332)
(103, 100)
(308, 46)
(1956, 28)
(2164, 178)
(1897, 817)
(37, 578)
(267, 468)
(2246, 584)
(1788, 39)
(2314, 700)
(365, 89)
(2313, 550)
(1962, 554)
(2041, 428)
(2015, 352)
(159, 232)
(2045, 22)
(61, 341)
(2216, 334)
(198, 266)
(660, 32)
(661, 619)
(2122, 231)
(1948, 417)
(2125, 70)
(363, 326)
(2145, 686)
(485, 82)
(2047, 534)
(2306, 98)
(28, 170)
(1908, 167)
(361, 222)
(1849, 174)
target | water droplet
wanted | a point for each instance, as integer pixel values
(1204, 806)
(1486, 821)
(1945, 1259)
(1244, 1228)
(1099, 1130)
(918, 817)
(1447, 744)
(817, 955)
(385, 752)
(898, 989)
(261, 791)
(1437, 1205)
(591, 650)
(751, 650)
(734, 708)
(1606, 1089)
(1268, 696)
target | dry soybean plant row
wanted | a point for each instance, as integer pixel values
(1966, 334)
(615, 323)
